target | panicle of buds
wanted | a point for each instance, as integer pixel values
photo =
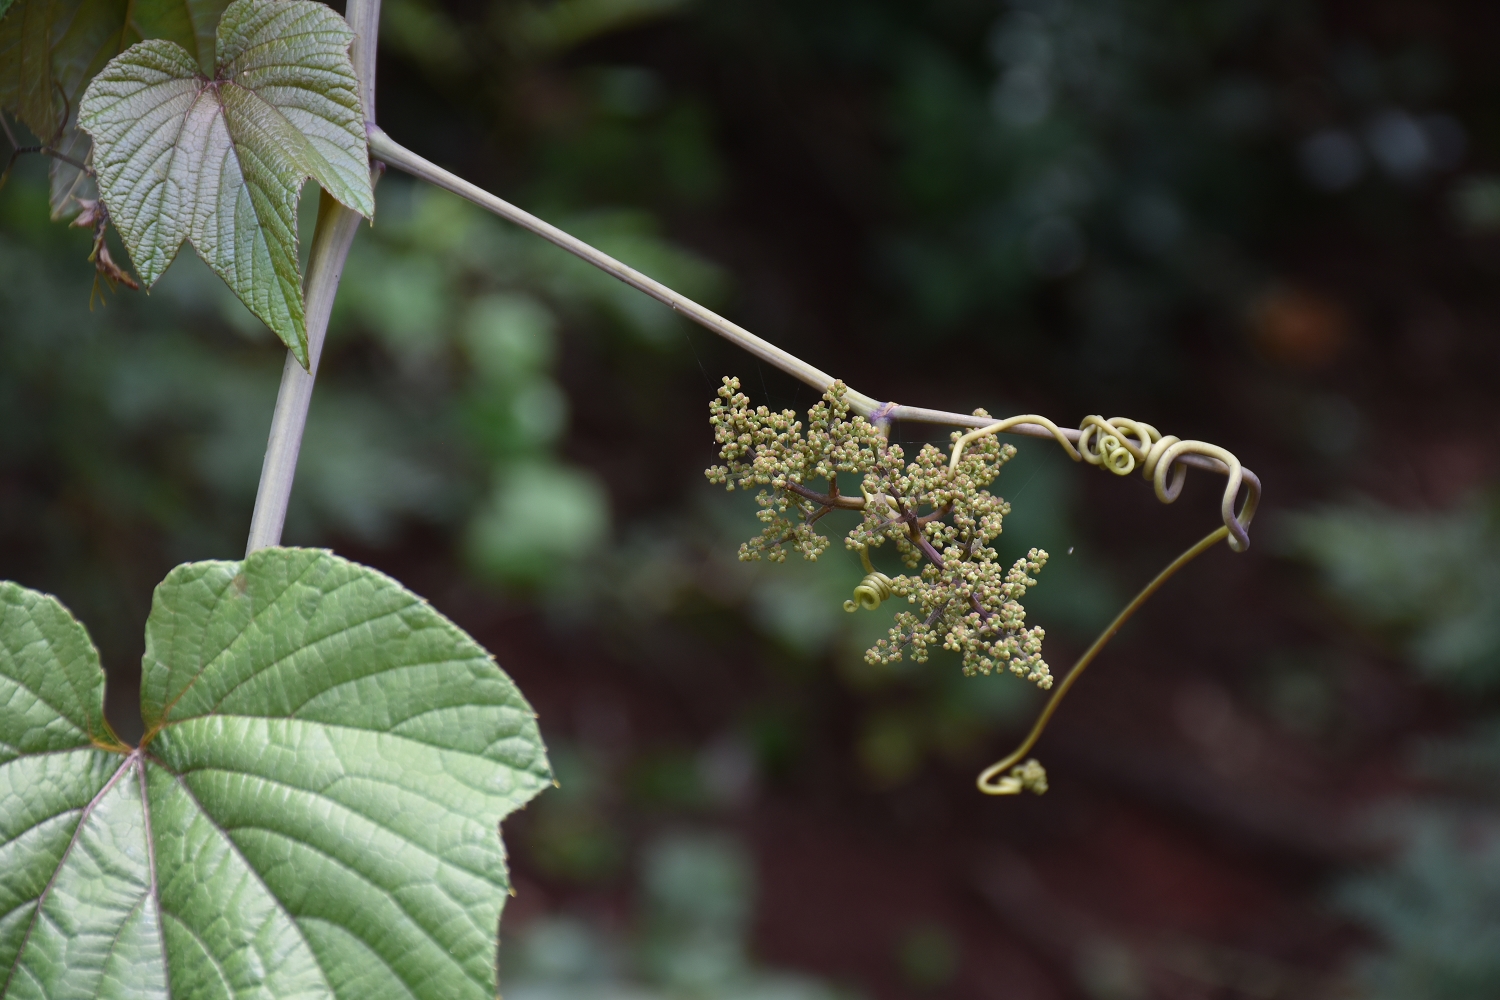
(939, 521)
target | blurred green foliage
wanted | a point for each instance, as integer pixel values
(687, 934)
(928, 957)
(690, 941)
(1437, 910)
(572, 837)
(1428, 583)
(1076, 186)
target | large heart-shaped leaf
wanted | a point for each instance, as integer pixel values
(220, 160)
(312, 813)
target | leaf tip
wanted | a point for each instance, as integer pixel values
(294, 338)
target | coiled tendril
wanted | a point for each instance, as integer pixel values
(1120, 444)
(873, 589)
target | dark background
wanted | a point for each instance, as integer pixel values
(1273, 226)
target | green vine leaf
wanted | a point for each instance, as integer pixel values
(219, 160)
(312, 813)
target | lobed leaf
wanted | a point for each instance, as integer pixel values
(312, 812)
(219, 159)
(51, 685)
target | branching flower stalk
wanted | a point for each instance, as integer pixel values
(939, 514)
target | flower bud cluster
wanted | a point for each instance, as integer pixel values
(1028, 777)
(939, 522)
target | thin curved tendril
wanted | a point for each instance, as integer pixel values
(873, 589)
(1011, 784)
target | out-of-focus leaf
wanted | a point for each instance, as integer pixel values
(1432, 581)
(1437, 910)
(424, 31)
(566, 23)
(1470, 762)
(67, 184)
(697, 900)
(51, 49)
(312, 812)
(538, 515)
(221, 161)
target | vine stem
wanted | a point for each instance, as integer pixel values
(384, 148)
(986, 781)
(388, 150)
(325, 266)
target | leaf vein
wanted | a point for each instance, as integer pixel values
(38, 695)
(332, 725)
(255, 873)
(361, 876)
(321, 794)
(229, 990)
(282, 660)
(41, 899)
(377, 955)
(39, 823)
(250, 622)
(154, 886)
